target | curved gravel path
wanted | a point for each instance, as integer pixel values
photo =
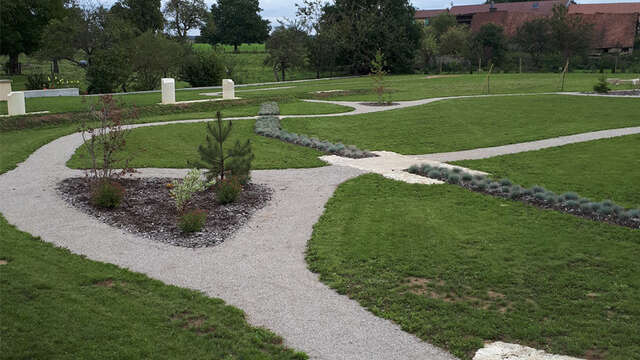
(261, 269)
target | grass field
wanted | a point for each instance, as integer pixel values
(602, 169)
(458, 268)
(57, 305)
(463, 124)
(173, 146)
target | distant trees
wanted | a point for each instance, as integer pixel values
(184, 15)
(145, 15)
(532, 37)
(286, 48)
(234, 22)
(490, 44)
(570, 35)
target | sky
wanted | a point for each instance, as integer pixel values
(273, 10)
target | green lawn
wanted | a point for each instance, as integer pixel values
(462, 124)
(402, 87)
(171, 146)
(602, 169)
(56, 305)
(458, 268)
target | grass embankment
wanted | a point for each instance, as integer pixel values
(457, 268)
(601, 169)
(462, 124)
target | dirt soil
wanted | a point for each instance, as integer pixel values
(149, 211)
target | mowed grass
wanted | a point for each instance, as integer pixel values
(401, 87)
(458, 268)
(56, 305)
(601, 169)
(176, 145)
(462, 124)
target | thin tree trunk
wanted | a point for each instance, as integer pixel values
(56, 67)
(14, 66)
(282, 68)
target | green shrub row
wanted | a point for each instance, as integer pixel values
(569, 201)
(268, 124)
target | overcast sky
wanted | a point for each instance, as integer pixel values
(280, 9)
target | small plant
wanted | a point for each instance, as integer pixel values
(182, 191)
(570, 196)
(454, 178)
(37, 81)
(538, 189)
(466, 177)
(227, 190)
(378, 74)
(505, 182)
(425, 168)
(413, 169)
(601, 87)
(434, 173)
(106, 194)
(572, 204)
(192, 221)
(457, 170)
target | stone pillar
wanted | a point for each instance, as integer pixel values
(5, 89)
(228, 91)
(16, 103)
(168, 91)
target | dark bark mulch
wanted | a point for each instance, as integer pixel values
(379, 104)
(149, 211)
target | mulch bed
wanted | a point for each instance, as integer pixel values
(633, 223)
(379, 104)
(149, 211)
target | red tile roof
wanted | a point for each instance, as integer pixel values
(424, 14)
(541, 7)
(613, 8)
(612, 30)
(510, 21)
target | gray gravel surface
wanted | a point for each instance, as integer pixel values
(261, 269)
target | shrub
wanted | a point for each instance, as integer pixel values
(457, 170)
(586, 208)
(413, 169)
(182, 191)
(434, 173)
(425, 168)
(601, 87)
(202, 69)
(454, 178)
(269, 108)
(605, 210)
(466, 177)
(227, 190)
(527, 192)
(107, 194)
(479, 177)
(537, 189)
(634, 213)
(540, 195)
(572, 204)
(37, 81)
(192, 221)
(505, 182)
(494, 185)
(570, 196)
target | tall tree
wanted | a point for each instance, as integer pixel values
(364, 26)
(321, 41)
(489, 42)
(533, 37)
(21, 25)
(286, 48)
(145, 15)
(184, 15)
(234, 22)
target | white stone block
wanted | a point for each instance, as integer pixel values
(16, 103)
(5, 89)
(168, 91)
(228, 90)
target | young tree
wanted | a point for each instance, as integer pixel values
(184, 15)
(320, 46)
(145, 15)
(57, 41)
(533, 37)
(216, 160)
(235, 22)
(428, 49)
(286, 48)
(378, 74)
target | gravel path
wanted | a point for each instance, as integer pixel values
(261, 269)
(483, 153)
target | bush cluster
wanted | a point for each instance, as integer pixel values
(182, 191)
(227, 190)
(569, 201)
(268, 124)
(106, 194)
(192, 221)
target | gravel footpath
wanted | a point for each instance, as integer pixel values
(261, 269)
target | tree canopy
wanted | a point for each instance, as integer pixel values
(184, 15)
(234, 22)
(145, 15)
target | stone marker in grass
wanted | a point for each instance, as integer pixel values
(16, 103)
(168, 91)
(228, 90)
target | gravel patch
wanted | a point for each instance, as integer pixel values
(148, 210)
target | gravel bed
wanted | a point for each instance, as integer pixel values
(148, 210)
(618, 92)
